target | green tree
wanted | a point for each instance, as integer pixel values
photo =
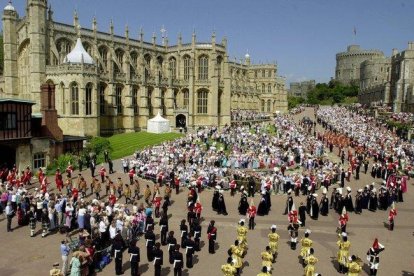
(295, 101)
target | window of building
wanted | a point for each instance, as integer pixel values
(268, 105)
(102, 100)
(185, 98)
(263, 73)
(8, 120)
(135, 99)
(39, 160)
(255, 74)
(187, 67)
(269, 88)
(269, 73)
(173, 68)
(120, 57)
(202, 102)
(203, 68)
(263, 88)
(134, 58)
(88, 100)
(263, 105)
(219, 61)
(118, 99)
(104, 56)
(74, 99)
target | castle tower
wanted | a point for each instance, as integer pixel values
(37, 57)
(10, 50)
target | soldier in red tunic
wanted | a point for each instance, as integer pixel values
(251, 213)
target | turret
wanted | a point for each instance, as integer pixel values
(38, 49)
(247, 58)
(10, 49)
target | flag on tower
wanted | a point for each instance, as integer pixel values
(354, 30)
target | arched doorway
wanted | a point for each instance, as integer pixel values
(7, 156)
(180, 121)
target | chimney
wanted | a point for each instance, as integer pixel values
(50, 127)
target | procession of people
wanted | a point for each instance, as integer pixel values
(273, 159)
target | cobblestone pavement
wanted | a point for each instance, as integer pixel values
(23, 255)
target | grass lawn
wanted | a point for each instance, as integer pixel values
(127, 143)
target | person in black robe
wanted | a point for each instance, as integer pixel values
(302, 214)
(189, 251)
(366, 196)
(324, 204)
(262, 208)
(289, 203)
(158, 259)
(243, 205)
(379, 171)
(171, 242)
(333, 199)
(308, 203)
(251, 186)
(184, 232)
(268, 201)
(399, 192)
(214, 202)
(164, 228)
(314, 213)
(197, 234)
(339, 202)
(150, 241)
(374, 170)
(221, 205)
(118, 245)
(178, 260)
(382, 199)
(348, 203)
(134, 259)
(373, 201)
(358, 202)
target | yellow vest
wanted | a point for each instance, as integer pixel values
(228, 270)
(306, 245)
(354, 269)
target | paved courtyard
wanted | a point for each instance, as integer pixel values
(23, 255)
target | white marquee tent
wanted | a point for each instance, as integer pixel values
(158, 125)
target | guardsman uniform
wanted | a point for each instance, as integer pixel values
(273, 242)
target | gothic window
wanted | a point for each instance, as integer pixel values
(269, 73)
(147, 59)
(87, 47)
(88, 99)
(255, 74)
(173, 68)
(103, 53)
(63, 46)
(269, 88)
(219, 61)
(263, 73)
(74, 99)
(135, 99)
(202, 102)
(263, 88)
(203, 68)
(185, 98)
(187, 62)
(120, 56)
(268, 105)
(118, 99)
(134, 59)
(116, 68)
(263, 105)
(102, 99)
